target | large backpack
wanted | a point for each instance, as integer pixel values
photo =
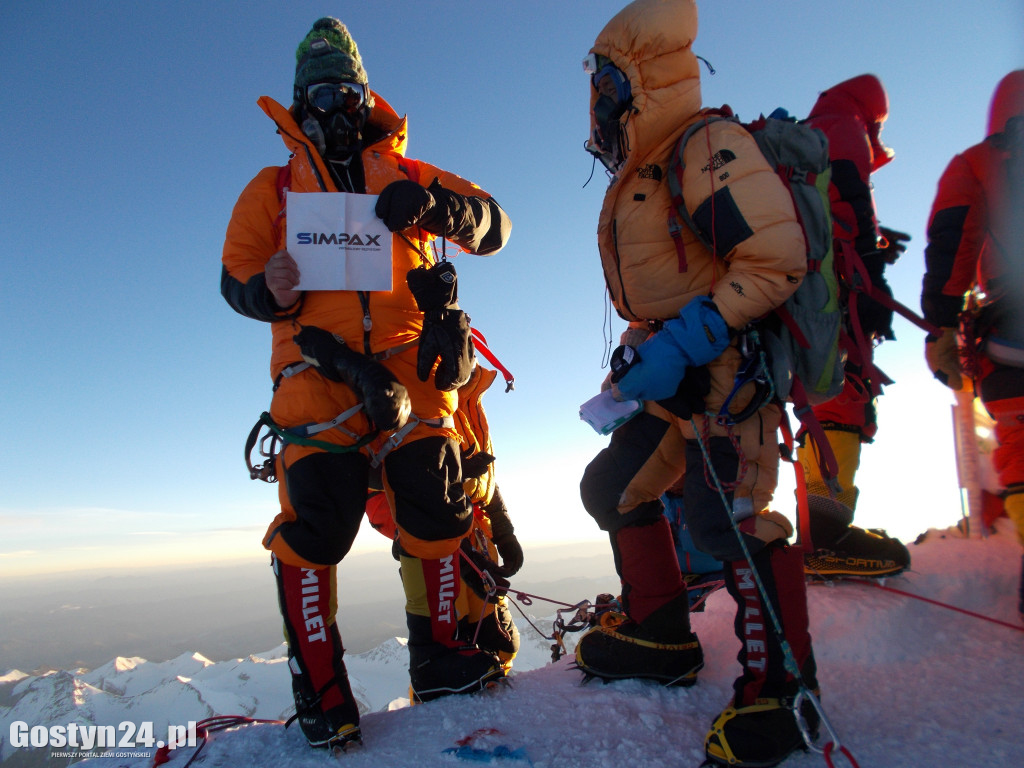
(801, 337)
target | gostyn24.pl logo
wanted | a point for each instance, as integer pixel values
(126, 735)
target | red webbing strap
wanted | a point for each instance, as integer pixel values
(922, 598)
(854, 276)
(791, 325)
(827, 463)
(855, 265)
(803, 519)
(481, 346)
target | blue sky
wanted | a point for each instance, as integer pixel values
(128, 384)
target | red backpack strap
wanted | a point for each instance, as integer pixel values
(827, 463)
(854, 277)
(803, 520)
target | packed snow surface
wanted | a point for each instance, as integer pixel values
(905, 683)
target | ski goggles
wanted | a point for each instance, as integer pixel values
(336, 97)
(607, 79)
(592, 62)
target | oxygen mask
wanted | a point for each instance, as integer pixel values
(613, 99)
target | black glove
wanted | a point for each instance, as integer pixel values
(689, 397)
(434, 288)
(402, 204)
(504, 537)
(511, 551)
(476, 465)
(477, 570)
(446, 335)
(892, 244)
(434, 209)
(384, 398)
(876, 318)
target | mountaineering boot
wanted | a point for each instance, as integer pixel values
(495, 632)
(840, 548)
(655, 641)
(661, 649)
(760, 735)
(439, 663)
(327, 712)
(858, 552)
(759, 728)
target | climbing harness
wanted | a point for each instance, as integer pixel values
(753, 370)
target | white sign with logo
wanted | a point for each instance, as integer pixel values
(338, 242)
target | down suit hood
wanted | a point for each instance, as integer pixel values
(650, 272)
(650, 41)
(1007, 102)
(864, 98)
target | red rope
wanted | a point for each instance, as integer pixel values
(936, 602)
(203, 730)
(828, 755)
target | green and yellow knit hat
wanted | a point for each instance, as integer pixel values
(328, 52)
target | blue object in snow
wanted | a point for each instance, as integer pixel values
(500, 752)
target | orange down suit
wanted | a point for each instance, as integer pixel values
(976, 240)
(643, 270)
(376, 323)
(759, 260)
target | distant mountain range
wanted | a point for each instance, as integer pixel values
(191, 688)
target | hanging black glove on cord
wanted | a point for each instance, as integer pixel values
(445, 338)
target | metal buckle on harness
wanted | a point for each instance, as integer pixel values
(266, 470)
(399, 435)
(307, 430)
(753, 370)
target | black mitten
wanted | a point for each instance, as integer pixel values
(504, 536)
(479, 569)
(689, 397)
(446, 336)
(434, 288)
(476, 465)
(875, 317)
(384, 398)
(402, 204)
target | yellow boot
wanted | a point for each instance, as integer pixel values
(830, 517)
